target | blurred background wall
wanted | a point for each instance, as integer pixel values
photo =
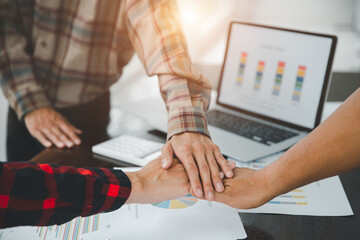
(206, 25)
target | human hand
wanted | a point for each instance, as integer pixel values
(153, 184)
(200, 157)
(246, 189)
(50, 128)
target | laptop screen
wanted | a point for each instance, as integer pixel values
(276, 73)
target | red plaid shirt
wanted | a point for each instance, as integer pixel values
(42, 194)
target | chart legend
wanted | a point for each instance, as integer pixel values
(242, 65)
(278, 78)
(295, 197)
(299, 83)
(179, 203)
(259, 75)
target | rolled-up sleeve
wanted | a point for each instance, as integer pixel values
(16, 72)
(156, 34)
(43, 194)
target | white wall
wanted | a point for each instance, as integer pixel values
(3, 117)
(207, 33)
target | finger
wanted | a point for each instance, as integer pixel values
(70, 132)
(193, 173)
(223, 163)
(167, 156)
(53, 138)
(63, 138)
(214, 170)
(78, 131)
(42, 139)
(193, 194)
(221, 175)
(205, 175)
(231, 164)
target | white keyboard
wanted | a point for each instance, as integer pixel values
(129, 149)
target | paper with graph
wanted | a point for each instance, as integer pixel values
(183, 218)
(316, 199)
(90, 228)
(178, 219)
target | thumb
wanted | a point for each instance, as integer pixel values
(167, 156)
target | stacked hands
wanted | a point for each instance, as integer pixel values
(199, 168)
(154, 184)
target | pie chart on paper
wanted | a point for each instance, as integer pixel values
(179, 203)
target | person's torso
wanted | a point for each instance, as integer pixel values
(78, 47)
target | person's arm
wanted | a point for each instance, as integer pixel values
(332, 148)
(156, 34)
(41, 194)
(18, 82)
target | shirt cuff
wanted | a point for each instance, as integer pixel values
(187, 119)
(118, 189)
(28, 99)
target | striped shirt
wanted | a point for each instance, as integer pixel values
(41, 194)
(65, 53)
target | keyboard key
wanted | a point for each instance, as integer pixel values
(253, 130)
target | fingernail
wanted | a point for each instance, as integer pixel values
(210, 195)
(229, 173)
(77, 141)
(48, 144)
(61, 145)
(230, 163)
(199, 192)
(164, 163)
(219, 187)
(221, 175)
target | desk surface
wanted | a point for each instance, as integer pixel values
(257, 226)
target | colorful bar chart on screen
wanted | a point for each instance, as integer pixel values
(278, 78)
(259, 75)
(299, 83)
(242, 66)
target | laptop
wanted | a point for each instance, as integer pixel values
(272, 89)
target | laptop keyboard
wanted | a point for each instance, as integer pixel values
(253, 130)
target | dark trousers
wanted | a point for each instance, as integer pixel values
(91, 118)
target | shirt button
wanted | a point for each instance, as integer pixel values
(43, 44)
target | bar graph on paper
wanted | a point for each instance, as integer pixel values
(71, 230)
(317, 198)
(297, 197)
(90, 228)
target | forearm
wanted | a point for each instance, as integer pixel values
(156, 33)
(40, 194)
(331, 149)
(186, 101)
